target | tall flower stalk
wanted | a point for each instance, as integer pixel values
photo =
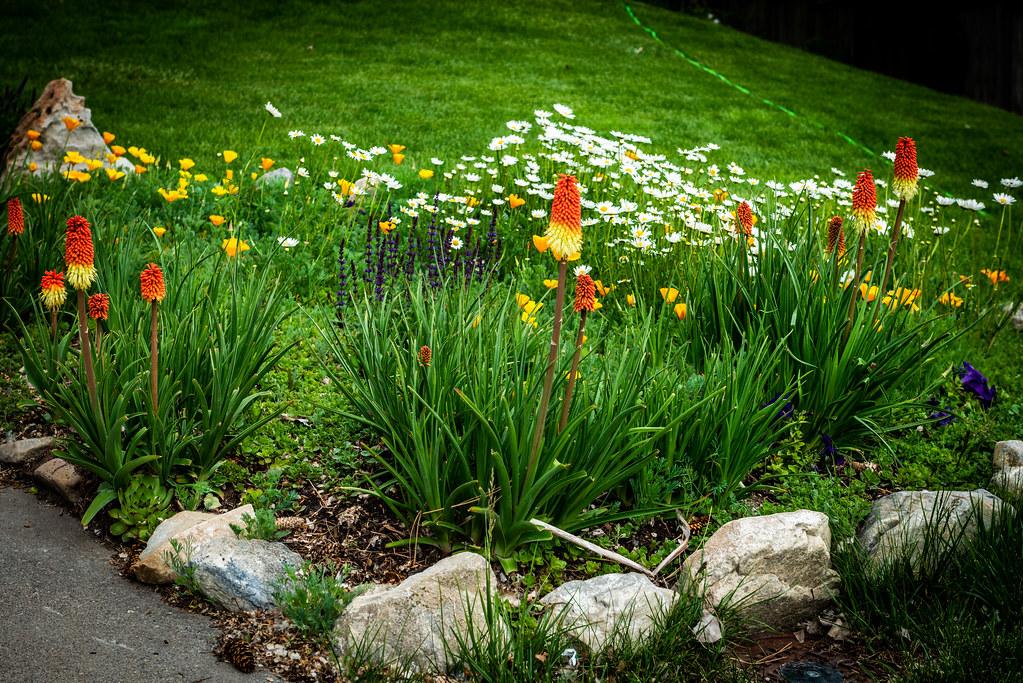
(564, 237)
(864, 209)
(81, 273)
(905, 188)
(585, 302)
(153, 290)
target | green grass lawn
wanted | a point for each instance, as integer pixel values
(442, 78)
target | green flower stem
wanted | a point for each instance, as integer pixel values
(563, 422)
(83, 337)
(552, 360)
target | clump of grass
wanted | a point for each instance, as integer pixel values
(951, 605)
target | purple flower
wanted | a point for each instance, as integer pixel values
(975, 382)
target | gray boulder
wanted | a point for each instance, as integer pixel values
(24, 451)
(898, 523)
(1008, 454)
(776, 569)
(417, 622)
(278, 176)
(188, 529)
(46, 117)
(1008, 481)
(598, 609)
(241, 574)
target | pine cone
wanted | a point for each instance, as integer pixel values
(291, 523)
(240, 654)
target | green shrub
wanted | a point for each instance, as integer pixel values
(313, 598)
(458, 428)
(216, 344)
(262, 526)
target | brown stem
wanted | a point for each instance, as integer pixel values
(83, 338)
(563, 422)
(552, 359)
(153, 356)
(892, 246)
(53, 324)
(855, 283)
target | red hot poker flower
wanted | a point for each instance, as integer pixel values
(744, 216)
(15, 217)
(836, 236)
(151, 283)
(53, 292)
(78, 253)
(425, 356)
(906, 171)
(864, 201)
(99, 306)
(564, 232)
(585, 290)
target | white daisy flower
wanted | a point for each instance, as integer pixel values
(1011, 182)
(1004, 199)
(564, 111)
(317, 139)
(274, 111)
(982, 184)
(582, 270)
(302, 171)
(287, 242)
(295, 134)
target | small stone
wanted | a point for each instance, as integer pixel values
(597, 609)
(278, 176)
(241, 574)
(420, 620)
(24, 451)
(1009, 481)
(898, 523)
(776, 569)
(62, 477)
(708, 629)
(186, 528)
(1008, 454)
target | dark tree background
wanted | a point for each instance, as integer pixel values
(968, 48)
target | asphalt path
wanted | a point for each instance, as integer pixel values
(67, 615)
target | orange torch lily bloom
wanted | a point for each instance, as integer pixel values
(564, 232)
(78, 253)
(54, 294)
(151, 283)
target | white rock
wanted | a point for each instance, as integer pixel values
(708, 629)
(241, 574)
(1008, 454)
(1009, 481)
(277, 176)
(185, 528)
(419, 620)
(898, 522)
(24, 451)
(597, 609)
(776, 569)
